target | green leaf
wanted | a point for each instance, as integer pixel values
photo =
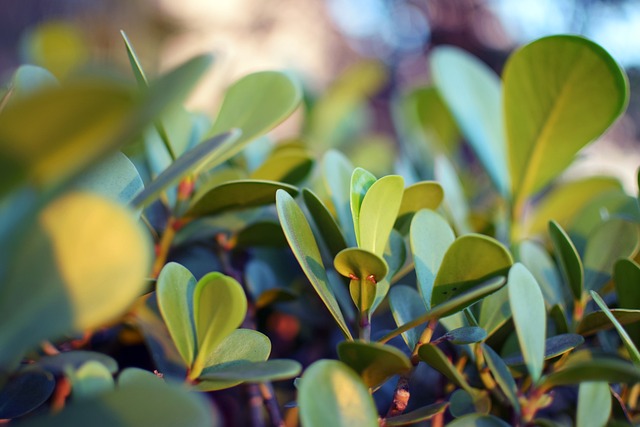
(175, 289)
(417, 415)
(254, 104)
(594, 404)
(503, 377)
(288, 166)
(374, 362)
(472, 92)
(529, 317)
(361, 181)
(89, 270)
(465, 335)
(574, 91)
(365, 269)
(262, 233)
(568, 258)
(434, 357)
(592, 369)
(478, 420)
(90, 379)
(494, 311)
(332, 394)
(564, 201)
(219, 307)
(634, 354)
(24, 392)
(236, 195)
(59, 363)
(29, 79)
(469, 260)
(626, 277)
(337, 171)
(539, 263)
(115, 177)
(430, 237)
(434, 119)
(304, 247)
(553, 347)
(462, 402)
(451, 306)
(138, 72)
(378, 213)
(421, 195)
(255, 372)
(241, 346)
(132, 376)
(612, 240)
(189, 163)
(323, 219)
(455, 203)
(132, 405)
(599, 321)
(406, 305)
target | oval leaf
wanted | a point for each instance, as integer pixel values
(406, 305)
(174, 289)
(594, 404)
(337, 171)
(25, 392)
(255, 372)
(361, 264)
(59, 363)
(553, 346)
(219, 307)
(465, 335)
(332, 394)
(431, 236)
(568, 258)
(374, 362)
(539, 263)
(529, 316)
(378, 213)
(574, 91)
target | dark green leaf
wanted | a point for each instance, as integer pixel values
(568, 258)
(465, 335)
(582, 367)
(406, 305)
(478, 420)
(325, 222)
(634, 354)
(254, 372)
(553, 346)
(304, 247)
(24, 392)
(332, 394)
(262, 233)
(626, 277)
(374, 362)
(58, 363)
(434, 357)
(599, 321)
(503, 377)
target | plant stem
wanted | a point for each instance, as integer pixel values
(400, 396)
(255, 405)
(425, 338)
(271, 403)
(364, 326)
(60, 394)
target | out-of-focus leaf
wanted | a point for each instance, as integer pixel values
(626, 277)
(417, 415)
(329, 230)
(463, 402)
(304, 247)
(406, 305)
(529, 317)
(469, 260)
(254, 104)
(332, 394)
(378, 213)
(337, 171)
(286, 166)
(478, 420)
(189, 163)
(25, 392)
(59, 363)
(634, 354)
(374, 362)
(494, 311)
(241, 346)
(574, 92)
(564, 201)
(568, 258)
(90, 379)
(594, 404)
(90, 269)
(435, 119)
(539, 263)
(581, 368)
(503, 377)
(29, 79)
(608, 243)
(262, 233)
(174, 289)
(431, 236)
(455, 203)
(235, 195)
(472, 92)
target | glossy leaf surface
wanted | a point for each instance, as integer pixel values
(431, 236)
(219, 307)
(304, 247)
(378, 213)
(332, 394)
(374, 362)
(529, 317)
(472, 92)
(573, 90)
(175, 288)
(568, 258)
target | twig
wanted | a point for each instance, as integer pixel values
(400, 396)
(271, 403)
(255, 405)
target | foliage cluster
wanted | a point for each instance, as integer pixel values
(469, 287)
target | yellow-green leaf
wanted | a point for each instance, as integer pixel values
(378, 213)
